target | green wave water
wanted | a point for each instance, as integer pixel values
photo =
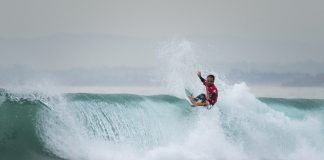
(127, 126)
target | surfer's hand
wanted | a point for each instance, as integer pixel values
(199, 74)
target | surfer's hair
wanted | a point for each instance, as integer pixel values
(211, 76)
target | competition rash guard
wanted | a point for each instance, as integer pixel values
(211, 91)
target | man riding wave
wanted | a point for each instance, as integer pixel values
(210, 98)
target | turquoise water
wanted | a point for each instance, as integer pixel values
(128, 126)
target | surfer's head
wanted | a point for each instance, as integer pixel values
(210, 79)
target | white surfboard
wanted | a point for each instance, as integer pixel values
(188, 93)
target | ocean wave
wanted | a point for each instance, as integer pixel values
(129, 126)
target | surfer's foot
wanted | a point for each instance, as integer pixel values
(192, 100)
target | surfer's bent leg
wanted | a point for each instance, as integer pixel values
(201, 97)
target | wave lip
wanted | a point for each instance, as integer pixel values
(18, 128)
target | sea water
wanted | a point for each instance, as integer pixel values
(44, 123)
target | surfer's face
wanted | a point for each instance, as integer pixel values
(210, 81)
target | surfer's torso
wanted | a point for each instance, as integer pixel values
(212, 92)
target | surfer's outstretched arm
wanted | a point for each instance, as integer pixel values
(201, 78)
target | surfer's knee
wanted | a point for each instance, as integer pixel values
(201, 97)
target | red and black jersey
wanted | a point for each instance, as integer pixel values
(211, 91)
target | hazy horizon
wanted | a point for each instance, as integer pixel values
(107, 43)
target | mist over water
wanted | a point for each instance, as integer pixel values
(55, 125)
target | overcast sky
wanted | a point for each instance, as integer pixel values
(63, 34)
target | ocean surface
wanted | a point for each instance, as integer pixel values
(39, 121)
(89, 126)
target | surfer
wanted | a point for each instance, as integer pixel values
(210, 98)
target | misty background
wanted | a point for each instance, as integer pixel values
(115, 43)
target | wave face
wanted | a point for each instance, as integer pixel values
(125, 126)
